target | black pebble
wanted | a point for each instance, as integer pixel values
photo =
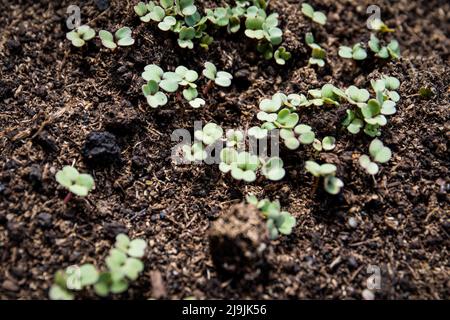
(102, 4)
(44, 219)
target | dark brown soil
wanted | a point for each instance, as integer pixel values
(52, 96)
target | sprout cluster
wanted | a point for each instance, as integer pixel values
(318, 54)
(183, 18)
(316, 16)
(358, 52)
(370, 113)
(327, 171)
(391, 50)
(123, 265)
(157, 80)
(77, 183)
(242, 165)
(378, 153)
(122, 37)
(278, 222)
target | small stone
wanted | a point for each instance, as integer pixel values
(352, 222)
(154, 217)
(368, 295)
(162, 214)
(352, 263)
(2, 188)
(44, 219)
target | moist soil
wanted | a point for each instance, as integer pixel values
(54, 97)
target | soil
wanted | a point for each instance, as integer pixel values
(53, 96)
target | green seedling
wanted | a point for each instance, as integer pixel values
(123, 265)
(426, 92)
(186, 35)
(357, 52)
(392, 50)
(153, 75)
(210, 133)
(220, 78)
(371, 114)
(170, 82)
(263, 28)
(357, 96)
(122, 38)
(281, 56)
(327, 171)
(242, 165)
(234, 137)
(316, 16)
(328, 94)
(257, 132)
(278, 222)
(193, 153)
(378, 25)
(273, 169)
(76, 183)
(379, 153)
(328, 143)
(318, 54)
(301, 134)
(80, 35)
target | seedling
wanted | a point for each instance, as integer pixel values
(193, 153)
(234, 137)
(278, 222)
(257, 132)
(328, 94)
(357, 52)
(371, 114)
(210, 133)
(328, 143)
(263, 28)
(122, 37)
(80, 35)
(332, 185)
(392, 50)
(273, 169)
(316, 16)
(281, 56)
(379, 153)
(244, 167)
(170, 82)
(76, 183)
(357, 96)
(378, 25)
(318, 54)
(301, 134)
(123, 264)
(220, 78)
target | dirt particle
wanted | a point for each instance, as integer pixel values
(238, 243)
(101, 149)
